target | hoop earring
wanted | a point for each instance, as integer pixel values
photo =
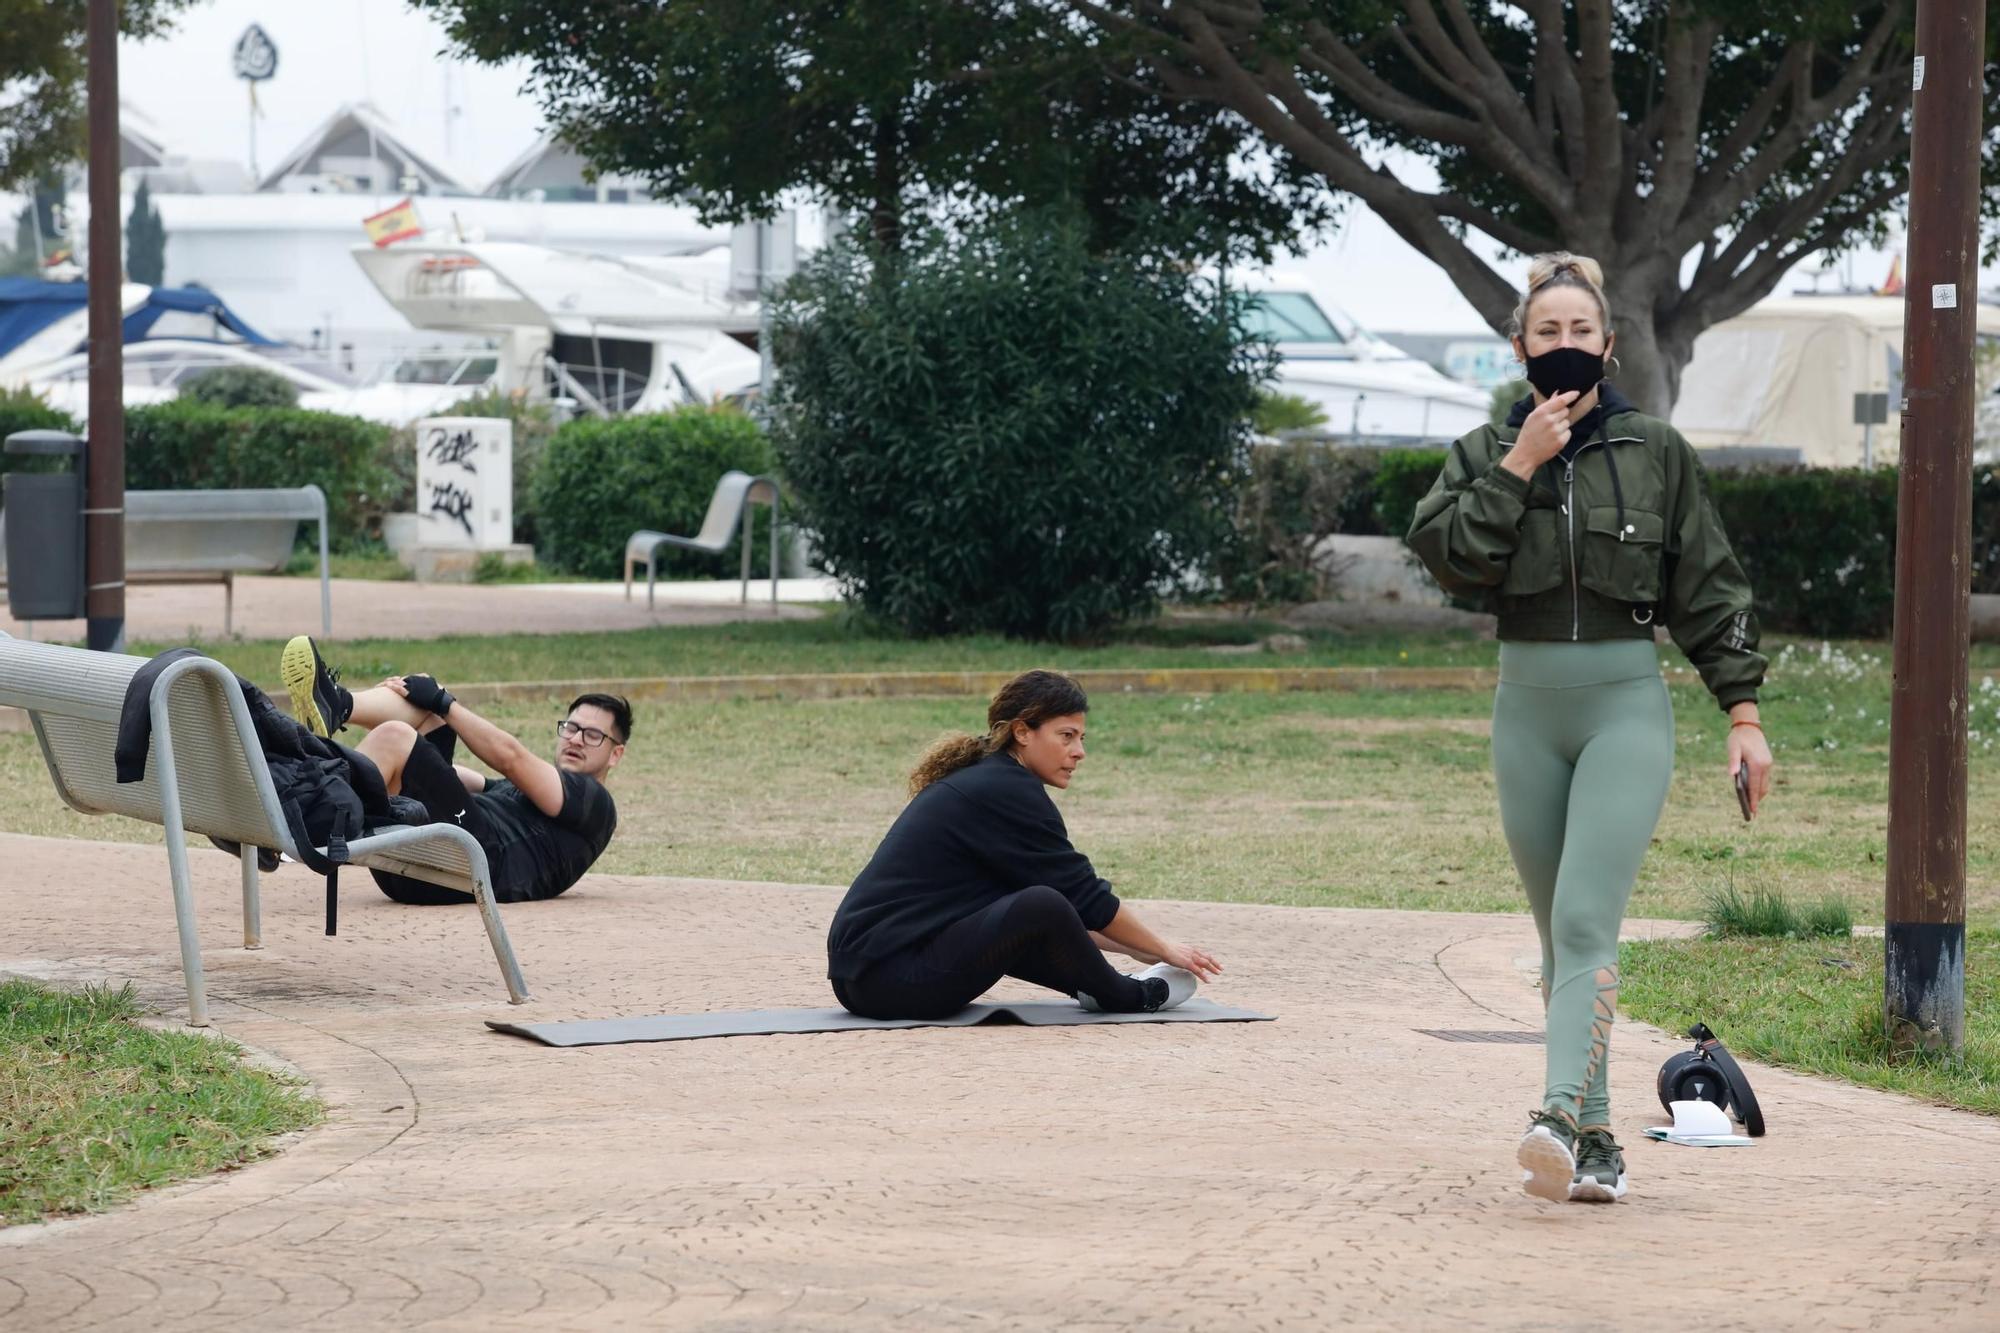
(1519, 373)
(1615, 366)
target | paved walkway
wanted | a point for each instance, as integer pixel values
(277, 608)
(1335, 1168)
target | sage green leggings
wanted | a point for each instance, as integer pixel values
(1583, 751)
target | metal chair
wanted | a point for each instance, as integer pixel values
(728, 510)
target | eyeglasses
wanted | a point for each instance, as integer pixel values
(592, 737)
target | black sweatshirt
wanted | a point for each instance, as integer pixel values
(960, 845)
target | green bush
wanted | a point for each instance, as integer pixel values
(602, 480)
(24, 409)
(1298, 493)
(186, 444)
(1819, 545)
(242, 386)
(1002, 431)
(1404, 477)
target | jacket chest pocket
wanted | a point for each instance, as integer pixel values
(1537, 562)
(1621, 561)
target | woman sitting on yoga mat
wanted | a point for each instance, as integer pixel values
(977, 880)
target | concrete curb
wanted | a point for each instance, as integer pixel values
(956, 684)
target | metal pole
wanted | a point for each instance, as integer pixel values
(104, 503)
(1924, 953)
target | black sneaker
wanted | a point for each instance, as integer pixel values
(317, 699)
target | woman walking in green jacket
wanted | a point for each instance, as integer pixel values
(1581, 523)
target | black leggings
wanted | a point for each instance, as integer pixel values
(1034, 934)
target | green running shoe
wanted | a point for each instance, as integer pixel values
(316, 696)
(1600, 1168)
(1548, 1157)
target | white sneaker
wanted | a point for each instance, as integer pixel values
(1181, 985)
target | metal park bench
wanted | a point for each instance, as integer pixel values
(728, 509)
(206, 775)
(212, 536)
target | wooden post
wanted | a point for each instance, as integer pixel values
(1924, 975)
(104, 484)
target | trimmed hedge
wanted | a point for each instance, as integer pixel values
(602, 480)
(1819, 545)
(242, 386)
(24, 409)
(185, 444)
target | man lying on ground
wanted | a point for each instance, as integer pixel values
(541, 824)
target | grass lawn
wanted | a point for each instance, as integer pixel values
(1816, 1006)
(840, 642)
(1364, 799)
(94, 1107)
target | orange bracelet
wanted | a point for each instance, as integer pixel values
(1734, 725)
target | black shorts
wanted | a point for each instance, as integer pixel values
(429, 778)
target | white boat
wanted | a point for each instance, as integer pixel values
(1370, 390)
(610, 333)
(174, 335)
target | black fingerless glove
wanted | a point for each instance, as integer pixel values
(427, 694)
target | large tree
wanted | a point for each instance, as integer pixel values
(893, 109)
(1700, 149)
(42, 78)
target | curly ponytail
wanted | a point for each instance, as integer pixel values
(1031, 698)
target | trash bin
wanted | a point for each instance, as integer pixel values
(44, 522)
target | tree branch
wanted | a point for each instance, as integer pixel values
(1600, 110)
(1555, 69)
(1720, 276)
(1512, 235)
(1287, 116)
(1689, 44)
(1327, 55)
(1727, 185)
(1437, 78)
(1754, 282)
(1505, 111)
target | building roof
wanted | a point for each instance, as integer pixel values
(358, 131)
(139, 142)
(549, 164)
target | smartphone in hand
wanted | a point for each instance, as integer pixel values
(1743, 791)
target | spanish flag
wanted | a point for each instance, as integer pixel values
(1893, 284)
(398, 222)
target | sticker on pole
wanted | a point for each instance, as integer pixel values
(1917, 74)
(1944, 296)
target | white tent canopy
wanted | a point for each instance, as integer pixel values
(1784, 374)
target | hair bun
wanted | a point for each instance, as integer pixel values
(1544, 269)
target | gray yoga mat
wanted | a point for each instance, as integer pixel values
(762, 1022)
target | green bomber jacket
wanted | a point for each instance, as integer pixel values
(1598, 548)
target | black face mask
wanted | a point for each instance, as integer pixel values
(1565, 368)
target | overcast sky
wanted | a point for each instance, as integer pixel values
(478, 119)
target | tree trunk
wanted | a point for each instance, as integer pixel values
(885, 213)
(1647, 372)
